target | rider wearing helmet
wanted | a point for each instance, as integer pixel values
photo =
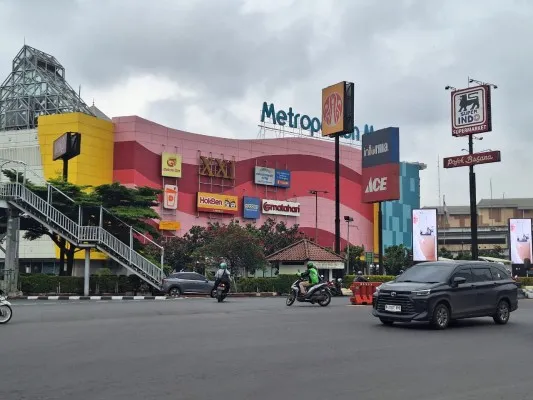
(360, 277)
(222, 275)
(312, 273)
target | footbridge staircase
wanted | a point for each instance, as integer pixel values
(43, 211)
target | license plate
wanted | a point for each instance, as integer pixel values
(393, 308)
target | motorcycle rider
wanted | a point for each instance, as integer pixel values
(312, 273)
(360, 277)
(223, 276)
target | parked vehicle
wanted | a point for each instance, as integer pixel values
(180, 283)
(220, 292)
(318, 293)
(5, 309)
(442, 291)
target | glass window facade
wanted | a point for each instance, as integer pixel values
(397, 222)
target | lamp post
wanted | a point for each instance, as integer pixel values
(348, 219)
(316, 192)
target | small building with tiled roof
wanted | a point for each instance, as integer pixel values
(295, 257)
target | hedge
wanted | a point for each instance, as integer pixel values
(41, 284)
(38, 283)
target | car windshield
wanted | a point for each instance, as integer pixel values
(426, 273)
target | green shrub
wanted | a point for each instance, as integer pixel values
(42, 284)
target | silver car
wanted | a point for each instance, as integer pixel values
(180, 283)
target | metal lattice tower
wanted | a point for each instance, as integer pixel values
(36, 86)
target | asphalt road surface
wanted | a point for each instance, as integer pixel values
(255, 349)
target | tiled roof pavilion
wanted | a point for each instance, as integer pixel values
(304, 250)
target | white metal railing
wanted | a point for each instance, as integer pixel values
(43, 211)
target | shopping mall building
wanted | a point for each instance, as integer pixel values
(204, 178)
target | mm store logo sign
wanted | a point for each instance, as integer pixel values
(276, 207)
(305, 122)
(251, 207)
(218, 203)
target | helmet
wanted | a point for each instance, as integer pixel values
(310, 264)
(223, 265)
(359, 273)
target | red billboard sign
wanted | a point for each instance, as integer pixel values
(381, 183)
(472, 159)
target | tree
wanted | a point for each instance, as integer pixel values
(396, 258)
(445, 253)
(235, 245)
(275, 236)
(496, 252)
(125, 206)
(354, 262)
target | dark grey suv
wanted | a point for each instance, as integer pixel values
(180, 283)
(442, 291)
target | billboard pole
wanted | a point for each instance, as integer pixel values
(337, 197)
(380, 238)
(473, 201)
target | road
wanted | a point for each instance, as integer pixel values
(255, 349)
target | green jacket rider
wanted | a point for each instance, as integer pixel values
(312, 273)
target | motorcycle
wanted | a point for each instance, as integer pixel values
(318, 293)
(221, 294)
(5, 309)
(335, 287)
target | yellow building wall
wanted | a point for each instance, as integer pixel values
(94, 165)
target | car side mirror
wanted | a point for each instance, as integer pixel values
(458, 280)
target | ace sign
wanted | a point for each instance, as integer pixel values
(471, 111)
(381, 183)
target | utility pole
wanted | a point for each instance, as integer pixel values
(316, 192)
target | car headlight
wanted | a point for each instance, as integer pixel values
(423, 292)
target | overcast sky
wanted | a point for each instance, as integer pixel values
(206, 66)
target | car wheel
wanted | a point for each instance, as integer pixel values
(213, 293)
(441, 316)
(387, 322)
(502, 313)
(174, 292)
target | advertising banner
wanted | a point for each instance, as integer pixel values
(381, 147)
(425, 245)
(283, 178)
(170, 197)
(171, 165)
(169, 225)
(471, 111)
(60, 147)
(337, 109)
(276, 207)
(265, 176)
(218, 203)
(381, 183)
(472, 159)
(251, 207)
(520, 239)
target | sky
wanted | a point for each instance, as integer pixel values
(207, 66)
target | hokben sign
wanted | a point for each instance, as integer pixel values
(218, 203)
(471, 111)
(276, 207)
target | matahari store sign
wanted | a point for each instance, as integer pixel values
(472, 159)
(276, 207)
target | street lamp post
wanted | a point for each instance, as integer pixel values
(348, 219)
(316, 192)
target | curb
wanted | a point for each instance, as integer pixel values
(240, 295)
(88, 298)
